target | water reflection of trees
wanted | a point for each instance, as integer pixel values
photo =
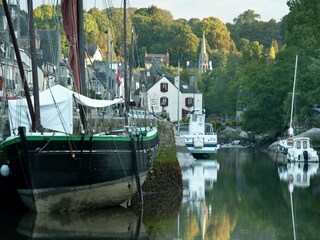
(248, 188)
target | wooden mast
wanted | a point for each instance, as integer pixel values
(80, 43)
(36, 124)
(125, 78)
(83, 89)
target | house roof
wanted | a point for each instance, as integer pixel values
(184, 87)
(91, 50)
(149, 58)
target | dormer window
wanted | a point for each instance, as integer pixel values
(164, 87)
(189, 102)
(164, 101)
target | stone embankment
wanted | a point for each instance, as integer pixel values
(164, 183)
(166, 173)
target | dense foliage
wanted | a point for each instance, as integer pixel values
(252, 61)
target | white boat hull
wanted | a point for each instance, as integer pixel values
(207, 144)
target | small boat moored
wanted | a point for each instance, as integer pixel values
(198, 135)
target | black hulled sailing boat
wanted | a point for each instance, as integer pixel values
(53, 168)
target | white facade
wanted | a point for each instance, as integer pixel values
(176, 100)
(11, 74)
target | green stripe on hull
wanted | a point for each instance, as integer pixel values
(74, 138)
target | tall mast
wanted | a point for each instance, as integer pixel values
(58, 72)
(81, 48)
(83, 87)
(293, 93)
(130, 60)
(126, 90)
(34, 66)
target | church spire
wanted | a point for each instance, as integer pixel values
(203, 56)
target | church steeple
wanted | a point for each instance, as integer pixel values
(203, 56)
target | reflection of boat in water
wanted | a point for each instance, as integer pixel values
(112, 223)
(297, 174)
(199, 178)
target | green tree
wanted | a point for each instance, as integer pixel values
(248, 26)
(186, 44)
(45, 17)
(196, 26)
(251, 50)
(303, 25)
(91, 29)
(219, 41)
(248, 16)
(155, 25)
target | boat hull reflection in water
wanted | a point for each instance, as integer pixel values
(198, 179)
(297, 175)
(113, 223)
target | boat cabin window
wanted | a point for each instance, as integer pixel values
(208, 129)
(305, 144)
(298, 145)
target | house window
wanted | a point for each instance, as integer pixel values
(164, 101)
(164, 87)
(189, 102)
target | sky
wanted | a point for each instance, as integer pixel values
(225, 10)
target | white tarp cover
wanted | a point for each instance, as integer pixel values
(96, 103)
(56, 109)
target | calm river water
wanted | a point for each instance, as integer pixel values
(236, 194)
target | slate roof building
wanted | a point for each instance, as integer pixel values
(156, 60)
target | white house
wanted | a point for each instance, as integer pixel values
(173, 98)
(93, 53)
